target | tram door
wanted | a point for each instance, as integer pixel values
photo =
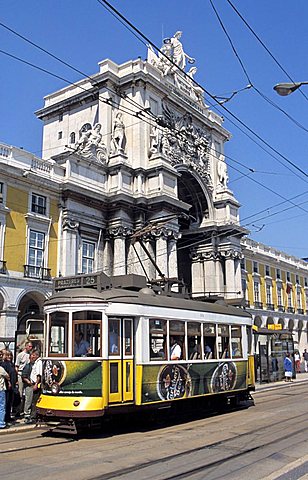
(121, 360)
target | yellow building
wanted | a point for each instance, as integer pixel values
(275, 287)
(29, 215)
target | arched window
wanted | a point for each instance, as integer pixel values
(72, 137)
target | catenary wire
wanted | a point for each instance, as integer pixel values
(262, 95)
(263, 45)
(77, 70)
(72, 67)
(145, 40)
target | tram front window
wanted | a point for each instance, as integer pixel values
(87, 333)
(58, 333)
(158, 335)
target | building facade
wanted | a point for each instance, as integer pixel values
(133, 179)
(29, 217)
(143, 159)
(275, 287)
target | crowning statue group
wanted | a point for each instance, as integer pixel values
(20, 385)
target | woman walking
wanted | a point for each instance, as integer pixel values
(288, 368)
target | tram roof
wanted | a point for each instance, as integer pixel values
(144, 296)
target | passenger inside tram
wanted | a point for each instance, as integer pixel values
(175, 348)
(81, 346)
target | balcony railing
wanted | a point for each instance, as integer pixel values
(3, 269)
(281, 308)
(30, 271)
(300, 311)
(290, 309)
(258, 305)
(270, 306)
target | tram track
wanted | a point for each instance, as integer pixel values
(37, 445)
(206, 450)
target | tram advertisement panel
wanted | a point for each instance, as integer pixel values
(72, 377)
(171, 381)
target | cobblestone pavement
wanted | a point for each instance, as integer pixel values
(20, 425)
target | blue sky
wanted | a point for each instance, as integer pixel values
(83, 33)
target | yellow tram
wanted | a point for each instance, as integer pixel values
(110, 347)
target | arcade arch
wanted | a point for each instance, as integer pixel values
(257, 321)
(281, 322)
(192, 192)
(269, 321)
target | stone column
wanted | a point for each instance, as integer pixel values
(119, 235)
(162, 254)
(197, 275)
(107, 256)
(119, 257)
(230, 274)
(8, 325)
(151, 270)
(69, 249)
(172, 258)
(238, 274)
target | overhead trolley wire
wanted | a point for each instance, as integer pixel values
(144, 39)
(129, 112)
(124, 97)
(251, 84)
(263, 45)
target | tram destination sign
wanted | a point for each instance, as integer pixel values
(78, 281)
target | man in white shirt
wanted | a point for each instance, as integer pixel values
(31, 376)
(175, 351)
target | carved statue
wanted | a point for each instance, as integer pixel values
(154, 140)
(178, 55)
(90, 144)
(198, 91)
(118, 139)
(222, 173)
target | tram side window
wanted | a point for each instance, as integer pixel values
(114, 336)
(209, 339)
(87, 333)
(236, 341)
(177, 340)
(158, 335)
(194, 340)
(223, 341)
(58, 333)
(249, 339)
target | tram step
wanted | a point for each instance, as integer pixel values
(66, 428)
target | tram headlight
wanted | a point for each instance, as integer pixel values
(76, 403)
(55, 388)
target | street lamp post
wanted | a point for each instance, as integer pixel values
(285, 89)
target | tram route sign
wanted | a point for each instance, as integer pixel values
(97, 281)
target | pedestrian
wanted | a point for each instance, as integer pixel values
(4, 376)
(288, 368)
(10, 384)
(297, 360)
(305, 357)
(31, 376)
(21, 360)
